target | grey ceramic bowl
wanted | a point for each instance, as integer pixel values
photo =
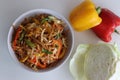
(70, 36)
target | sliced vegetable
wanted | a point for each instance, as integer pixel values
(58, 36)
(41, 65)
(46, 51)
(33, 60)
(46, 19)
(58, 43)
(37, 63)
(55, 19)
(22, 35)
(18, 31)
(29, 43)
(23, 60)
(62, 54)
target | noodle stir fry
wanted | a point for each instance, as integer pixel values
(39, 41)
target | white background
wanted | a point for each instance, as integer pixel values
(11, 9)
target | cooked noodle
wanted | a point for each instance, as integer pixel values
(40, 41)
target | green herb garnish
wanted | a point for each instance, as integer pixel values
(46, 19)
(22, 35)
(29, 43)
(46, 51)
(58, 36)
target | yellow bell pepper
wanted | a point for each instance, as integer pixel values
(84, 16)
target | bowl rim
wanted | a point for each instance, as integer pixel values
(29, 13)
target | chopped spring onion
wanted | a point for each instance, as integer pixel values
(46, 51)
(22, 35)
(29, 43)
(58, 36)
(46, 19)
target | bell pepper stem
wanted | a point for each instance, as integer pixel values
(98, 9)
(116, 31)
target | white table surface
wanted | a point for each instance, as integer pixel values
(11, 9)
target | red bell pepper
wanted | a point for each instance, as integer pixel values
(37, 63)
(109, 22)
(18, 31)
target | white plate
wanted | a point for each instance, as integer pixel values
(11, 9)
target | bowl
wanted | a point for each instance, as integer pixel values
(67, 31)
